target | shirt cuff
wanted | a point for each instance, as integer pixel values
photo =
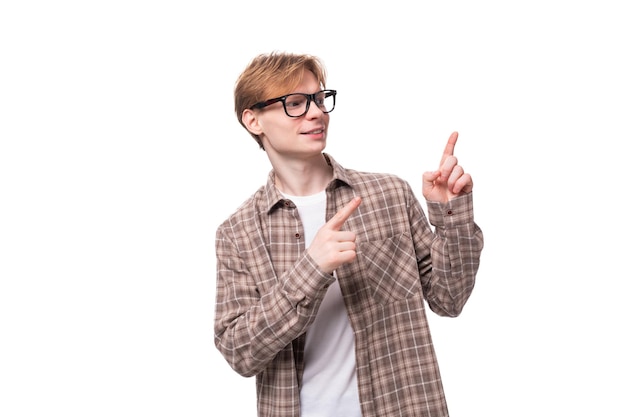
(456, 212)
(306, 282)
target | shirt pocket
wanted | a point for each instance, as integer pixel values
(390, 266)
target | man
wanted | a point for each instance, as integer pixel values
(323, 272)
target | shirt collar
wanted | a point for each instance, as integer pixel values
(274, 196)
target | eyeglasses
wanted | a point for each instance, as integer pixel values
(298, 104)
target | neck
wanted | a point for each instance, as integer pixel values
(302, 177)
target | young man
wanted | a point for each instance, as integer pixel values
(323, 272)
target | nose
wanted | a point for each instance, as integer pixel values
(314, 110)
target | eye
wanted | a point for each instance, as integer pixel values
(295, 101)
(321, 97)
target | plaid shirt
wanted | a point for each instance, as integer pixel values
(269, 290)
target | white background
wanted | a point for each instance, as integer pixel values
(120, 154)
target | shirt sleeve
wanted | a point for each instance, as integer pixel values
(250, 329)
(455, 249)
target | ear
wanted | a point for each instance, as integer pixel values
(252, 122)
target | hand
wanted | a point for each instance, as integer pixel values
(449, 180)
(331, 247)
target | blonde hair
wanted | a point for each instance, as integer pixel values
(273, 75)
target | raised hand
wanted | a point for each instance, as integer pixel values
(332, 247)
(450, 180)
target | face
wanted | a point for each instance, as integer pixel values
(286, 136)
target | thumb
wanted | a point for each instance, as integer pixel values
(428, 181)
(429, 177)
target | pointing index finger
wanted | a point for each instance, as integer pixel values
(337, 221)
(449, 150)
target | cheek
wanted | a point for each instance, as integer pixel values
(280, 132)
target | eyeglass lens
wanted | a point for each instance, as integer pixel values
(297, 104)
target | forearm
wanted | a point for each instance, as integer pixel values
(251, 328)
(455, 255)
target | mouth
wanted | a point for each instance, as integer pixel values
(314, 131)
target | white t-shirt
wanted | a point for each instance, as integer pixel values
(329, 384)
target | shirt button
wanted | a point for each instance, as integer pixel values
(297, 235)
(449, 212)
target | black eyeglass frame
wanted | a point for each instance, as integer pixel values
(309, 98)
